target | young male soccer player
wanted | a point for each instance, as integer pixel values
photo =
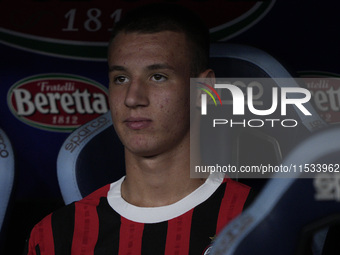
(156, 208)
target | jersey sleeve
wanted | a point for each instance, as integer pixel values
(41, 238)
(55, 233)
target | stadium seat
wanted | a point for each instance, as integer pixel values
(91, 157)
(294, 211)
(7, 176)
(261, 145)
(240, 61)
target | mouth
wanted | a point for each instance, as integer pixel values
(137, 123)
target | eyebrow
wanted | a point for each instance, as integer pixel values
(116, 68)
(150, 67)
(159, 66)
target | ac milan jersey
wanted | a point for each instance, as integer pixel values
(104, 223)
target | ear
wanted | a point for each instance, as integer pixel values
(209, 76)
(209, 73)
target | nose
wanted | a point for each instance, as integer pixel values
(136, 95)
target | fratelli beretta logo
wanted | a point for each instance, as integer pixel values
(57, 102)
(82, 30)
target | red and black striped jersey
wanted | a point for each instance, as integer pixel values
(103, 223)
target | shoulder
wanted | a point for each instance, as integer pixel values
(69, 211)
(59, 225)
(94, 197)
(243, 191)
(66, 214)
(228, 191)
(236, 185)
(236, 191)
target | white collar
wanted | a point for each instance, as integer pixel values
(162, 213)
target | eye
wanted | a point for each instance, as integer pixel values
(158, 77)
(120, 79)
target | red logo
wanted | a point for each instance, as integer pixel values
(62, 27)
(57, 102)
(325, 90)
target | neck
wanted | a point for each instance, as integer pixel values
(159, 180)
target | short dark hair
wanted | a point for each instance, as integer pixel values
(154, 18)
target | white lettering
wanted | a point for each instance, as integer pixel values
(238, 97)
(256, 122)
(250, 100)
(296, 101)
(99, 104)
(24, 105)
(51, 103)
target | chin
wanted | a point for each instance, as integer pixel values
(140, 148)
(146, 153)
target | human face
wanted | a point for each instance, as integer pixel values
(149, 91)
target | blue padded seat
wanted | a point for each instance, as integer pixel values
(292, 213)
(241, 61)
(7, 176)
(91, 157)
(264, 145)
